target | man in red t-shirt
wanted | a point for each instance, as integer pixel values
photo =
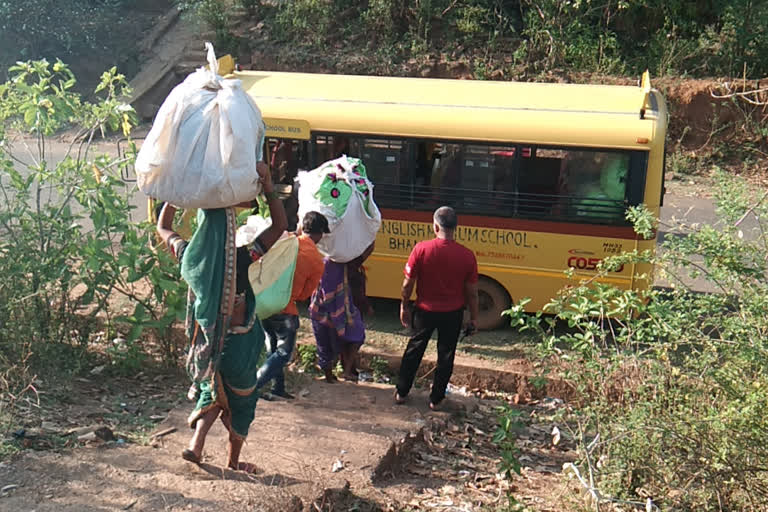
(445, 275)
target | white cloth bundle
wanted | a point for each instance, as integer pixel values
(204, 143)
(341, 191)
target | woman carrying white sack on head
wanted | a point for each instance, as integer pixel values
(342, 192)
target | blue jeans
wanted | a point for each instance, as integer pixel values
(280, 340)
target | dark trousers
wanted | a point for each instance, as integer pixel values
(280, 331)
(424, 323)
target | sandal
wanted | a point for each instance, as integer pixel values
(190, 456)
(246, 467)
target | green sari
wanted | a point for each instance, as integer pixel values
(221, 362)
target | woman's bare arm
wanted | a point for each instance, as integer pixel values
(276, 210)
(165, 222)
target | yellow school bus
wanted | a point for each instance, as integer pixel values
(540, 174)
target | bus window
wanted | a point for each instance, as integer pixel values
(504, 180)
(388, 163)
(286, 157)
(384, 160)
(446, 172)
(593, 185)
(426, 155)
(477, 168)
(330, 147)
(323, 148)
(475, 179)
(439, 185)
(504, 187)
(341, 147)
(489, 179)
(538, 181)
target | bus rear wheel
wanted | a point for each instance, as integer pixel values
(492, 300)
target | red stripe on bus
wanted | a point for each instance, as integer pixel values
(542, 226)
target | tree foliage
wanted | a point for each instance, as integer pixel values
(683, 37)
(610, 36)
(69, 249)
(671, 383)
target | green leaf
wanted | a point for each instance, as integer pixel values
(166, 285)
(135, 332)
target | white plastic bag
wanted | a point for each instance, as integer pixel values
(204, 144)
(341, 191)
(254, 226)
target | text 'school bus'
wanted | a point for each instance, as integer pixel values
(540, 175)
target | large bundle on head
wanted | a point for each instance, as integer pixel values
(204, 144)
(341, 191)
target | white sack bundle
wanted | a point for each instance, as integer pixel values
(204, 143)
(341, 191)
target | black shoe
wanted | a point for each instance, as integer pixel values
(283, 394)
(269, 397)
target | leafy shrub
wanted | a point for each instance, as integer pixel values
(72, 256)
(307, 357)
(379, 368)
(383, 19)
(617, 36)
(310, 20)
(396, 22)
(217, 15)
(672, 387)
(250, 5)
(509, 423)
(666, 37)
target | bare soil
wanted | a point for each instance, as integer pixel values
(389, 457)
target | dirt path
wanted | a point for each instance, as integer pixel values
(389, 457)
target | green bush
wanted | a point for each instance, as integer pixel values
(379, 368)
(72, 258)
(217, 16)
(396, 22)
(307, 357)
(617, 36)
(250, 5)
(510, 422)
(312, 21)
(383, 19)
(672, 388)
(700, 38)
